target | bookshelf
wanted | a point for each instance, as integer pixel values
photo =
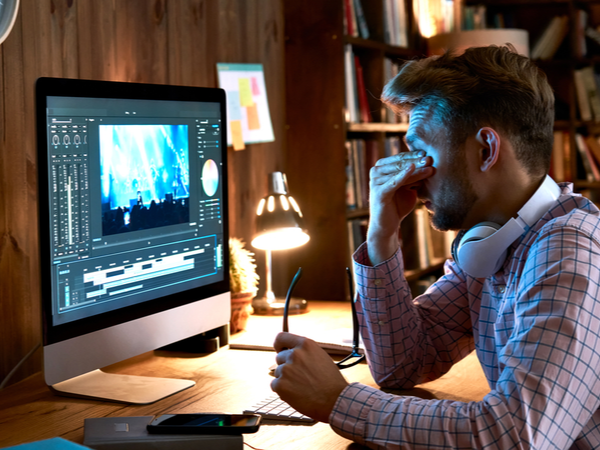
(318, 129)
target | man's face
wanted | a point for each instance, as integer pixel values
(448, 194)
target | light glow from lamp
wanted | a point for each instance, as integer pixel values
(281, 239)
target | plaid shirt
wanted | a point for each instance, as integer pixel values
(535, 326)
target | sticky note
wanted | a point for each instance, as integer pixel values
(234, 109)
(255, 88)
(245, 92)
(235, 127)
(253, 121)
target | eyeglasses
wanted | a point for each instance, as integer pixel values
(355, 356)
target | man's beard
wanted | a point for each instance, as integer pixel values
(453, 201)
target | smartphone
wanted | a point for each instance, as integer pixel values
(205, 424)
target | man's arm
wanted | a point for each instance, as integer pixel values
(548, 390)
(411, 341)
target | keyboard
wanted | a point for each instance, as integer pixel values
(273, 408)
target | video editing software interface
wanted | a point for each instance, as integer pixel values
(136, 201)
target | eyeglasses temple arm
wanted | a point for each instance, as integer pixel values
(288, 299)
(355, 325)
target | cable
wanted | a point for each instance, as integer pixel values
(19, 364)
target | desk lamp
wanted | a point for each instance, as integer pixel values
(279, 226)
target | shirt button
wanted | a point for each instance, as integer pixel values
(501, 289)
(377, 282)
(381, 322)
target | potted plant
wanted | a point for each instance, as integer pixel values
(243, 283)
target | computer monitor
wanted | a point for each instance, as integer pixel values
(133, 228)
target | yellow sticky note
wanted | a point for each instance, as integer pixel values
(253, 121)
(245, 92)
(235, 127)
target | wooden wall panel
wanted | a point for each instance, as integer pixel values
(315, 143)
(152, 41)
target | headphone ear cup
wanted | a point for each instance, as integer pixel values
(465, 250)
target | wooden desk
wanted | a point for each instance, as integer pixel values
(226, 381)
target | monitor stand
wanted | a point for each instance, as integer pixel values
(120, 388)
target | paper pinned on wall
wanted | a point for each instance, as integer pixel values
(247, 106)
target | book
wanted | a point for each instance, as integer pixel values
(361, 156)
(350, 182)
(395, 23)
(583, 101)
(402, 24)
(580, 24)
(557, 166)
(363, 102)
(556, 38)
(591, 168)
(567, 156)
(551, 38)
(361, 20)
(593, 34)
(348, 18)
(589, 81)
(594, 146)
(350, 85)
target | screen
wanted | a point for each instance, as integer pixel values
(210, 420)
(133, 209)
(136, 201)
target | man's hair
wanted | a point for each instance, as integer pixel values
(485, 86)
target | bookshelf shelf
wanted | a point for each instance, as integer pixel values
(561, 124)
(580, 184)
(357, 213)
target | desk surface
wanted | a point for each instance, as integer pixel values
(226, 381)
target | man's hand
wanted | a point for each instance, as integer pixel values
(306, 377)
(393, 195)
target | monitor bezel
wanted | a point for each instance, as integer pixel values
(69, 87)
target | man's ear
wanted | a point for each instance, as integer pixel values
(489, 152)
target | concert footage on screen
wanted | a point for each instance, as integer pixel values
(145, 177)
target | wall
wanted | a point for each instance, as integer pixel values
(152, 41)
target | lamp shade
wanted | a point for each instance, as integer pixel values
(279, 222)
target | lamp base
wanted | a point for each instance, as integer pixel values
(274, 307)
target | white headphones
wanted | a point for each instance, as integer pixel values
(481, 251)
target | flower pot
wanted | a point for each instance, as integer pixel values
(241, 308)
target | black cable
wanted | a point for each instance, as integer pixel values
(19, 364)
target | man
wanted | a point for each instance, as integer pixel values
(480, 136)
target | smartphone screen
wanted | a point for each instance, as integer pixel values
(205, 423)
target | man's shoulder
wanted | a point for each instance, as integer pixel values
(572, 211)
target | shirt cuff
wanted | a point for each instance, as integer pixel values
(349, 415)
(372, 281)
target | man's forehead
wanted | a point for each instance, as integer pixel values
(422, 127)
